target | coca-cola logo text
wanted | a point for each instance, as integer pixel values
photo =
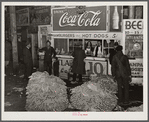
(81, 20)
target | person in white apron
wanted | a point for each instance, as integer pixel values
(98, 50)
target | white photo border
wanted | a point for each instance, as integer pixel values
(69, 115)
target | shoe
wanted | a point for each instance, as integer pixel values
(80, 83)
(126, 103)
(120, 103)
(74, 82)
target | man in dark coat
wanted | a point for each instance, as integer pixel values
(122, 73)
(27, 56)
(78, 64)
(49, 53)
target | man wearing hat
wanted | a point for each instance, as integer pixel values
(78, 67)
(27, 56)
(122, 74)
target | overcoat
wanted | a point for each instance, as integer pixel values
(124, 60)
(28, 61)
(78, 66)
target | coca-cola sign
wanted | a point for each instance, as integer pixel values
(67, 19)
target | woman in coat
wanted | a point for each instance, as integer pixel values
(78, 67)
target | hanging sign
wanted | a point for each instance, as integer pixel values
(69, 19)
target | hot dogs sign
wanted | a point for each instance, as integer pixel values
(67, 19)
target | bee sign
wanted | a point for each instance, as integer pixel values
(133, 26)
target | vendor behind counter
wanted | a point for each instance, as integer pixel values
(95, 51)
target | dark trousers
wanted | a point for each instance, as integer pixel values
(75, 76)
(48, 67)
(28, 70)
(123, 89)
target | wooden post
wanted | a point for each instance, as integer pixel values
(13, 36)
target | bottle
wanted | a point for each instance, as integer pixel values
(62, 52)
(131, 12)
(115, 19)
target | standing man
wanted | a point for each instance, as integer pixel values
(98, 49)
(27, 56)
(122, 74)
(49, 53)
(78, 67)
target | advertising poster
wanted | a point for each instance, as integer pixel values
(134, 46)
(136, 68)
(92, 18)
(115, 18)
(133, 29)
(22, 17)
(40, 15)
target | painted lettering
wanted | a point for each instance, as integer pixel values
(80, 20)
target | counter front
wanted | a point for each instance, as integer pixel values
(93, 65)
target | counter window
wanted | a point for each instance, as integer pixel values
(98, 48)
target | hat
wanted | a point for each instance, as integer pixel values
(28, 42)
(116, 44)
(48, 41)
(119, 48)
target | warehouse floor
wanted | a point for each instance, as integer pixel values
(15, 95)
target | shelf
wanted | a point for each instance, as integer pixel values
(108, 47)
(73, 46)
